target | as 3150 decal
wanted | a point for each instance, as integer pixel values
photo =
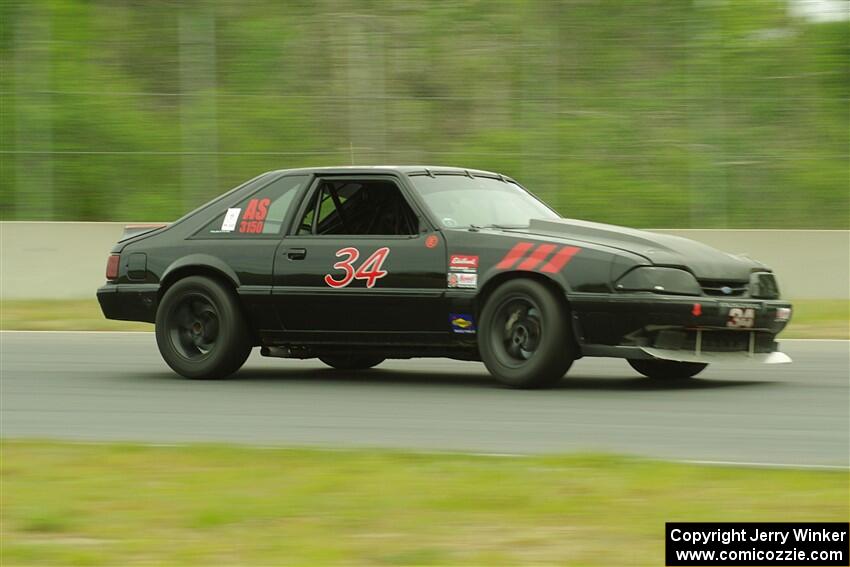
(253, 220)
(370, 270)
(255, 216)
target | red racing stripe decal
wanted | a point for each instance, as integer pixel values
(514, 255)
(536, 257)
(560, 259)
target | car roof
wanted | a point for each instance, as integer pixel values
(405, 169)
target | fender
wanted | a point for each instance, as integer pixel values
(574, 268)
(494, 276)
(206, 261)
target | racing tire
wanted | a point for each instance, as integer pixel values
(200, 329)
(351, 361)
(666, 369)
(525, 337)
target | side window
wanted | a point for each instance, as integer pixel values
(261, 213)
(359, 207)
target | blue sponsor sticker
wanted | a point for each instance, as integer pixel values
(462, 323)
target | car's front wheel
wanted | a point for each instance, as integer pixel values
(666, 369)
(525, 336)
(200, 330)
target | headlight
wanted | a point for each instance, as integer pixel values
(763, 285)
(659, 280)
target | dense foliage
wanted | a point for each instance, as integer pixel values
(652, 113)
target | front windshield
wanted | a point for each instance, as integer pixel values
(460, 201)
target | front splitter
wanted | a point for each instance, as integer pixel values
(775, 357)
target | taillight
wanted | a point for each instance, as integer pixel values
(112, 266)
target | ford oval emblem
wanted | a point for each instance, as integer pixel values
(726, 290)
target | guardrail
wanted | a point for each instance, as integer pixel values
(66, 260)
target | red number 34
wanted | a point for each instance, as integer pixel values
(370, 270)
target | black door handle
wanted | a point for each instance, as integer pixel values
(296, 253)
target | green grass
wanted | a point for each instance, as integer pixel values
(819, 319)
(74, 504)
(813, 318)
(61, 315)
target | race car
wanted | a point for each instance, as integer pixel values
(355, 265)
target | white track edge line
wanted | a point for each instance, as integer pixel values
(702, 462)
(757, 465)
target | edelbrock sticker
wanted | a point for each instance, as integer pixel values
(461, 262)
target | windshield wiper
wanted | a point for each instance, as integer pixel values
(502, 226)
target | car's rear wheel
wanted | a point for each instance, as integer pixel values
(200, 330)
(525, 337)
(351, 361)
(666, 369)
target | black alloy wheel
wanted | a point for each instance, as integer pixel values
(200, 330)
(517, 332)
(193, 326)
(525, 337)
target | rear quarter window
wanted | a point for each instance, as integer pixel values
(260, 214)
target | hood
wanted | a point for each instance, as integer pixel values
(703, 261)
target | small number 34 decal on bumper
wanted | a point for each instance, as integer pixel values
(740, 317)
(370, 270)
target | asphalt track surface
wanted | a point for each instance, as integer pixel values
(114, 386)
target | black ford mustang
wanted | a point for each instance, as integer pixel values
(354, 265)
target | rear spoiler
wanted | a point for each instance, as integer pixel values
(132, 230)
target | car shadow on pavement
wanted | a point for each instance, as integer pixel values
(638, 383)
(477, 380)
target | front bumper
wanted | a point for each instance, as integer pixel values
(688, 329)
(129, 302)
